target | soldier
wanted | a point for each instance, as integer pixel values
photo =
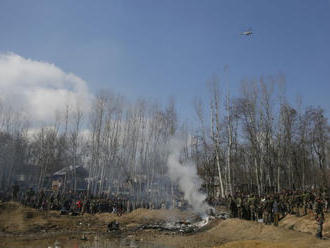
(275, 212)
(15, 191)
(245, 209)
(325, 200)
(93, 207)
(232, 206)
(30, 196)
(319, 216)
(268, 211)
(85, 206)
(261, 208)
(41, 197)
(298, 203)
(239, 206)
(305, 202)
(282, 204)
(67, 204)
(290, 203)
(258, 208)
(252, 207)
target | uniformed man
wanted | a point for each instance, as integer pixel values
(232, 206)
(268, 211)
(15, 191)
(239, 206)
(319, 216)
(252, 207)
(276, 212)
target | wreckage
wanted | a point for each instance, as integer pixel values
(185, 226)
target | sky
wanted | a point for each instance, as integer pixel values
(160, 49)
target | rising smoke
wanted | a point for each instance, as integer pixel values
(185, 175)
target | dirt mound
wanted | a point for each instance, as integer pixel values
(241, 229)
(16, 218)
(258, 244)
(306, 224)
(241, 233)
(160, 215)
(234, 233)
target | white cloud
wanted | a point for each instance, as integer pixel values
(39, 88)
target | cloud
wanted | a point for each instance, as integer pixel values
(39, 88)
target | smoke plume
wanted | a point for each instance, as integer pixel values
(185, 175)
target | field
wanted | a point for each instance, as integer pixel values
(25, 227)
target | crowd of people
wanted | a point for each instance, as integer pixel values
(270, 208)
(81, 202)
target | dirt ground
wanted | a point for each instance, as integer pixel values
(25, 227)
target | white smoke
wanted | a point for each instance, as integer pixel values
(185, 175)
(40, 89)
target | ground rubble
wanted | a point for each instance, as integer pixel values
(185, 226)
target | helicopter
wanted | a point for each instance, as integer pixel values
(248, 32)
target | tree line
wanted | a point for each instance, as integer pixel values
(253, 141)
(258, 142)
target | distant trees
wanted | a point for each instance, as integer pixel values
(127, 143)
(119, 143)
(262, 143)
(255, 141)
(14, 152)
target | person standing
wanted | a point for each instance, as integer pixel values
(239, 206)
(15, 191)
(275, 212)
(252, 207)
(319, 216)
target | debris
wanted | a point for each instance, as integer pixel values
(113, 226)
(64, 212)
(57, 244)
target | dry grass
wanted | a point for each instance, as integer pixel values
(258, 244)
(234, 233)
(25, 227)
(15, 218)
(143, 216)
(305, 224)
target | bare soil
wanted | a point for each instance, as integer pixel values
(25, 227)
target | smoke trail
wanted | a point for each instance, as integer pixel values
(185, 175)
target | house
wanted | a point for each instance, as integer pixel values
(66, 178)
(27, 176)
